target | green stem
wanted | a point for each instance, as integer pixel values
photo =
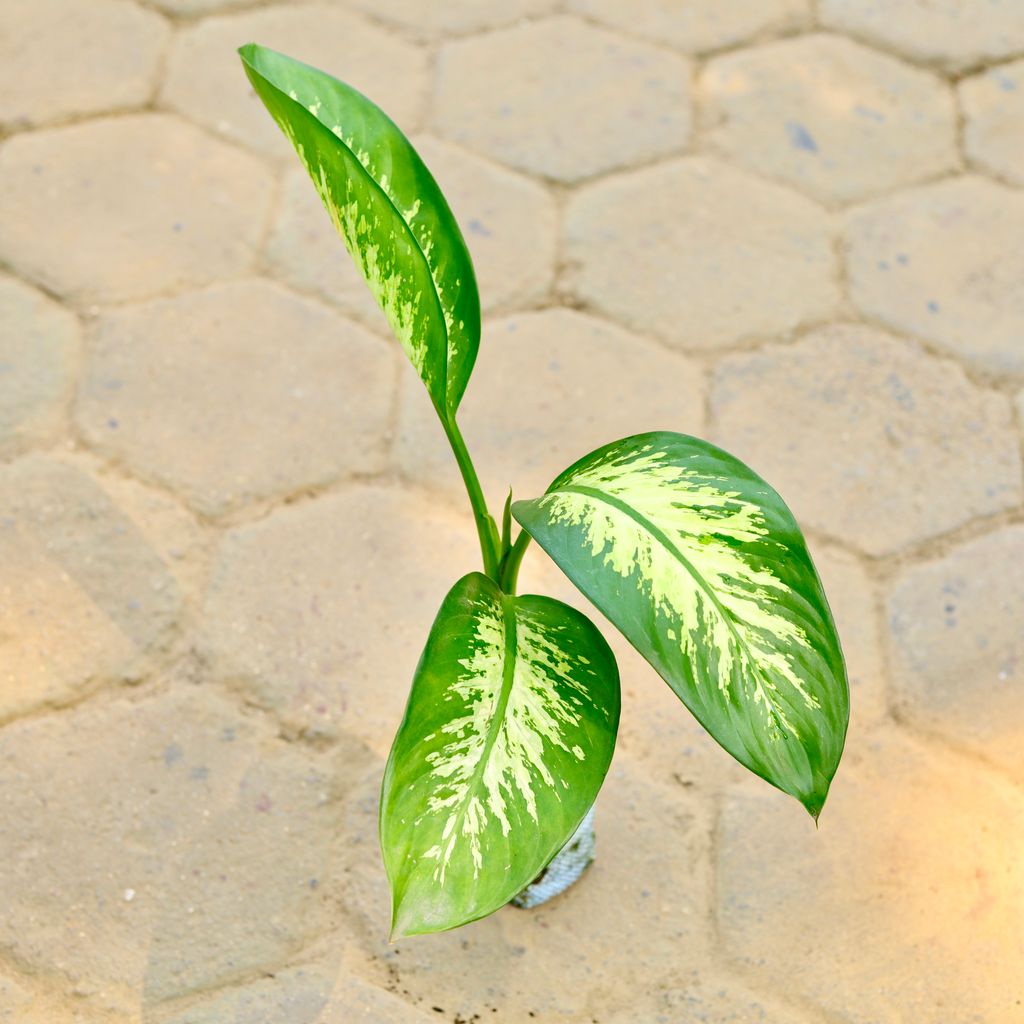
(510, 566)
(486, 528)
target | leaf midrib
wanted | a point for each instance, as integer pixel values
(508, 618)
(508, 671)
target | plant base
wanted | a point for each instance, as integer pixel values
(565, 868)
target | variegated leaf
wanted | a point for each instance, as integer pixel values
(506, 739)
(389, 212)
(704, 569)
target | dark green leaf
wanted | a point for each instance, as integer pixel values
(389, 212)
(506, 740)
(703, 568)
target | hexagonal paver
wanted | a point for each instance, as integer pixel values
(453, 17)
(851, 597)
(561, 99)
(302, 995)
(700, 254)
(95, 580)
(158, 846)
(829, 116)
(320, 611)
(993, 105)
(205, 80)
(43, 75)
(867, 438)
(945, 262)
(509, 224)
(39, 345)
(22, 1002)
(697, 25)
(953, 34)
(548, 387)
(12, 997)
(906, 903)
(648, 883)
(236, 394)
(713, 996)
(124, 207)
(958, 644)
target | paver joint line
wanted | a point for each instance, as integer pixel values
(805, 215)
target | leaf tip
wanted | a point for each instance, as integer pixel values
(398, 928)
(405, 923)
(411, 913)
(814, 803)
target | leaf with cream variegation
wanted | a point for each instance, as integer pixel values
(506, 739)
(703, 568)
(389, 212)
(514, 708)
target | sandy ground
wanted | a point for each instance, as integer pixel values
(227, 517)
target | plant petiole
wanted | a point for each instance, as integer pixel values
(486, 527)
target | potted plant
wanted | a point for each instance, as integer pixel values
(514, 707)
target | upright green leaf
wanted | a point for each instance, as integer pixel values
(703, 568)
(389, 212)
(506, 739)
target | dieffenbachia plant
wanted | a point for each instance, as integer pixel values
(514, 708)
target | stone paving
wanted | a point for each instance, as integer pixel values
(227, 517)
